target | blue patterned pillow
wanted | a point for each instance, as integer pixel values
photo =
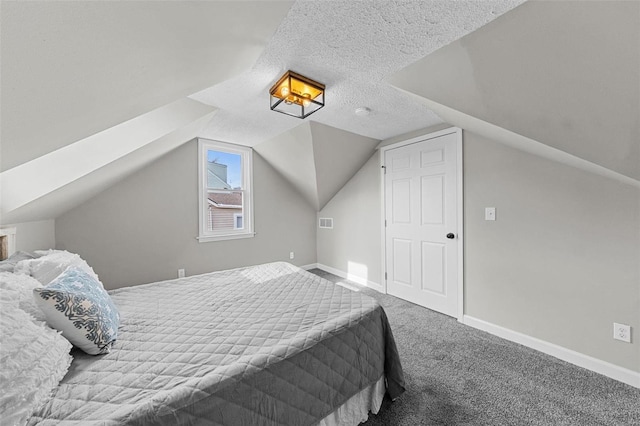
(76, 304)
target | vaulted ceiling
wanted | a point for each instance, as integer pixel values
(317, 159)
(351, 47)
(565, 74)
(93, 91)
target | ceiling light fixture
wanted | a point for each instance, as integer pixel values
(296, 95)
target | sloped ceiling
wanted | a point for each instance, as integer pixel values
(351, 47)
(92, 91)
(120, 83)
(47, 186)
(317, 159)
(566, 74)
(105, 80)
(72, 69)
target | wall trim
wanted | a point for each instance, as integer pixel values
(309, 266)
(599, 366)
(356, 279)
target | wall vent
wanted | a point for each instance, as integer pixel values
(326, 222)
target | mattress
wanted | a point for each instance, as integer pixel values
(264, 345)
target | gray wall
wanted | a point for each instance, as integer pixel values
(36, 235)
(144, 228)
(560, 263)
(354, 245)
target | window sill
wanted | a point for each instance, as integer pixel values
(211, 238)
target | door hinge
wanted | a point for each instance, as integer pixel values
(385, 276)
(385, 223)
(384, 168)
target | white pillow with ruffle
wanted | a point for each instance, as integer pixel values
(19, 289)
(51, 264)
(33, 360)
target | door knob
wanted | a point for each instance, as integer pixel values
(451, 235)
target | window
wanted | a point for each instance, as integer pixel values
(224, 191)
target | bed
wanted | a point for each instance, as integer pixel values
(265, 345)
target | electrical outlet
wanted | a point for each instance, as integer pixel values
(622, 332)
(181, 273)
(291, 255)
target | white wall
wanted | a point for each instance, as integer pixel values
(145, 227)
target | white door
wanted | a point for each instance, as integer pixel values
(421, 216)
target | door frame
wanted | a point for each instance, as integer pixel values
(459, 201)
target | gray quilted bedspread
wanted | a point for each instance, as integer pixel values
(264, 345)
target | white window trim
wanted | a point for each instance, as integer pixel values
(246, 154)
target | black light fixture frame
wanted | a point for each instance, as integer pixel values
(288, 76)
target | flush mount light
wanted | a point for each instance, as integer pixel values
(296, 95)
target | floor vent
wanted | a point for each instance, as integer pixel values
(326, 222)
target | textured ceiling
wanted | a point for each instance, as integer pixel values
(351, 47)
(83, 77)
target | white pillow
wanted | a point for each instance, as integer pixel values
(18, 288)
(77, 305)
(33, 360)
(9, 264)
(51, 264)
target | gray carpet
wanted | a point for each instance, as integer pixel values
(457, 375)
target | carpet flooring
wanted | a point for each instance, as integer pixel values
(458, 375)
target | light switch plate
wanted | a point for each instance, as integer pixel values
(489, 213)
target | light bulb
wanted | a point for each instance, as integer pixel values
(306, 101)
(284, 91)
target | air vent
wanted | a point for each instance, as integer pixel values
(326, 222)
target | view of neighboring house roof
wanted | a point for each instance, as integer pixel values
(217, 179)
(217, 176)
(226, 199)
(214, 181)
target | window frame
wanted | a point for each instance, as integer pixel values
(246, 155)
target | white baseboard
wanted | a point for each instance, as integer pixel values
(581, 360)
(309, 266)
(356, 279)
